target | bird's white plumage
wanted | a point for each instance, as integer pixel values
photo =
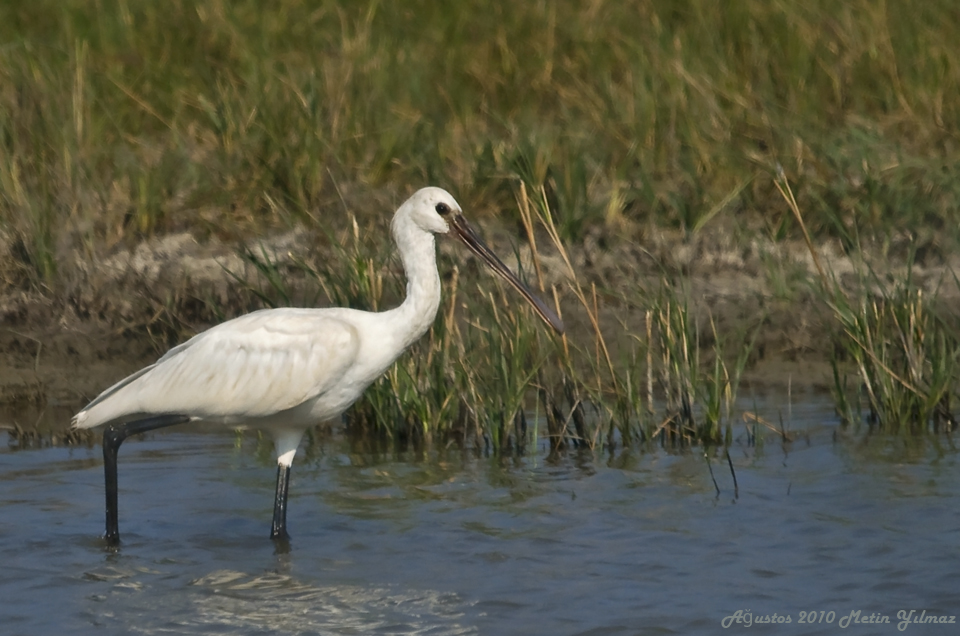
(247, 369)
(283, 370)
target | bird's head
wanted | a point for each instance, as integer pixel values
(435, 210)
(430, 209)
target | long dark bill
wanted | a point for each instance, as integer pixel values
(470, 238)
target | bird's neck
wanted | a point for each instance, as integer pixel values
(415, 315)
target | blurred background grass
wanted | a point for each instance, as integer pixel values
(124, 118)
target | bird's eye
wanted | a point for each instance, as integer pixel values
(443, 209)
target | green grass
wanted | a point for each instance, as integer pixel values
(903, 355)
(129, 118)
(897, 363)
(232, 117)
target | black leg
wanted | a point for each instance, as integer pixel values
(113, 436)
(279, 530)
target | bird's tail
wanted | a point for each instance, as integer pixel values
(78, 420)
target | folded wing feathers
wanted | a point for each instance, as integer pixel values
(249, 367)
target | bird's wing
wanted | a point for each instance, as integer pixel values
(252, 366)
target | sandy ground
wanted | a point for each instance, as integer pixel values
(124, 309)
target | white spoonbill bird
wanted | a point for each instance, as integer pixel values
(284, 370)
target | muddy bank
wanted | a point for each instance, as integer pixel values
(120, 311)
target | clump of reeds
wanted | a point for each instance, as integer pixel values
(590, 397)
(903, 354)
(699, 396)
(904, 358)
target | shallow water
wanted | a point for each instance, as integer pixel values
(452, 543)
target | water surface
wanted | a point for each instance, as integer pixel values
(453, 543)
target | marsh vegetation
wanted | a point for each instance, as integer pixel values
(573, 130)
